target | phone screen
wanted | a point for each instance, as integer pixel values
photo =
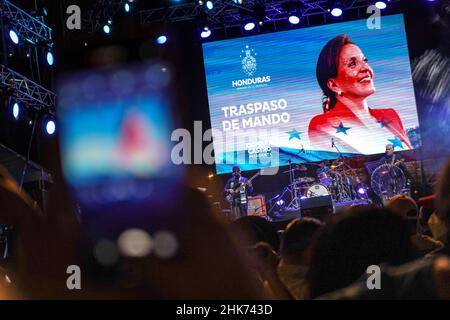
(115, 133)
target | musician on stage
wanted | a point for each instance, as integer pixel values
(391, 158)
(236, 194)
(323, 174)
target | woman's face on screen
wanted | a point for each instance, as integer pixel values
(355, 76)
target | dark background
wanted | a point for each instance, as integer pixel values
(74, 49)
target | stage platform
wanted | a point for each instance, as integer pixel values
(281, 219)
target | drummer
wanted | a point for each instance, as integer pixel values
(323, 168)
(323, 174)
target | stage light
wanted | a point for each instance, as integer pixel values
(106, 29)
(13, 36)
(361, 189)
(209, 5)
(336, 12)
(161, 40)
(16, 110)
(249, 26)
(259, 13)
(127, 7)
(293, 19)
(336, 9)
(280, 202)
(50, 58)
(205, 33)
(381, 5)
(303, 197)
(50, 126)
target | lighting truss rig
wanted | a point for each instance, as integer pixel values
(27, 91)
(24, 24)
(34, 31)
(101, 11)
(227, 13)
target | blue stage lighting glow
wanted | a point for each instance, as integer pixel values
(161, 40)
(249, 26)
(50, 127)
(294, 19)
(205, 33)
(381, 5)
(209, 5)
(106, 29)
(336, 12)
(50, 58)
(127, 7)
(13, 36)
(16, 110)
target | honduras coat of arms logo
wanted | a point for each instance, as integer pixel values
(248, 61)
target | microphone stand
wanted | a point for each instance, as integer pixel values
(302, 150)
(340, 189)
(336, 147)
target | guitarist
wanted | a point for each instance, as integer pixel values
(238, 197)
(391, 158)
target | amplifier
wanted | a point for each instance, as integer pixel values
(317, 207)
(257, 206)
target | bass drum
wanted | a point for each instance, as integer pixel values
(317, 190)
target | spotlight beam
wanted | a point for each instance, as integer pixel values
(50, 126)
(16, 110)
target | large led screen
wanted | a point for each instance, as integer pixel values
(311, 94)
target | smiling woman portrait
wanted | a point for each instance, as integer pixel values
(347, 80)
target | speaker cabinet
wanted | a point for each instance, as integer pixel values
(257, 206)
(317, 207)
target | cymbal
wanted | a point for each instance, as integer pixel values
(305, 180)
(296, 168)
(315, 164)
(336, 165)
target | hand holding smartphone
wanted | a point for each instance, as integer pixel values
(115, 134)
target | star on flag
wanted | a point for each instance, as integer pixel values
(294, 134)
(396, 142)
(341, 128)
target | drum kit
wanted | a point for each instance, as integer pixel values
(333, 178)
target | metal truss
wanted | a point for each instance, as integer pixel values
(101, 11)
(176, 13)
(24, 24)
(227, 13)
(27, 91)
